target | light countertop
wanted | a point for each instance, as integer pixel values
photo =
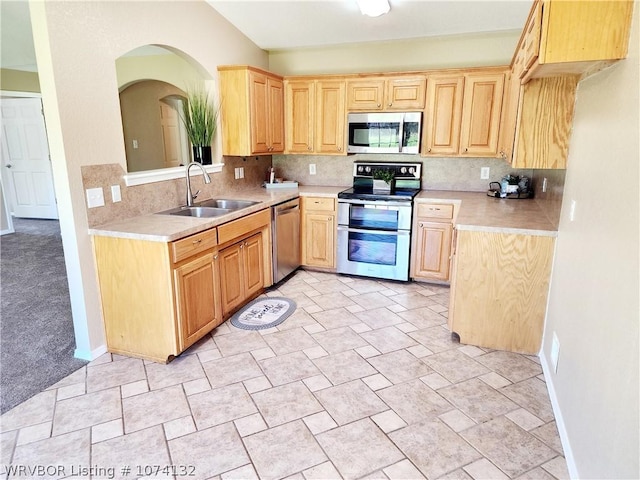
(476, 211)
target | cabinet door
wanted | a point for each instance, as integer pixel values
(405, 93)
(319, 240)
(481, 112)
(259, 112)
(365, 95)
(432, 258)
(231, 278)
(441, 128)
(300, 116)
(253, 267)
(198, 298)
(330, 117)
(275, 123)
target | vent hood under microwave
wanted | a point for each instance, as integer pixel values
(384, 132)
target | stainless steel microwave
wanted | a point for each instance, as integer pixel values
(384, 132)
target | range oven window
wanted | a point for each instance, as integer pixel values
(372, 248)
(367, 216)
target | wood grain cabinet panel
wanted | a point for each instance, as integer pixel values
(481, 111)
(386, 93)
(252, 111)
(443, 115)
(432, 241)
(315, 117)
(198, 298)
(318, 232)
(574, 38)
(499, 289)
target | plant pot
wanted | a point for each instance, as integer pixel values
(384, 186)
(202, 154)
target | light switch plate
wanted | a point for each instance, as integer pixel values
(312, 169)
(95, 197)
(115, 193)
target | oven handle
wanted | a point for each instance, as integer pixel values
(373, 203)
(344, 228)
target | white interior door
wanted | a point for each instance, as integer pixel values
(26, 166)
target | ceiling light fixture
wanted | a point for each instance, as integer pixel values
(373, 8)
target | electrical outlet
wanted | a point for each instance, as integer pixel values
(115, 193)
(135, 143)
(544, 184)
(312, 169)
(555, 352)
(572, 211)
(484, 173)
(95, 197)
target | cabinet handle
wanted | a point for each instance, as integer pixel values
(196, 242)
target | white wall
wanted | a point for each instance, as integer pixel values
(594, 298)
(77, 44)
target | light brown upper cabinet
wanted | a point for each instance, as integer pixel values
(388, 93)
(544, 119)
(463, 114)
(252, 111)
(481, 110)
(315, 116)
(443, 116)
(563, 37)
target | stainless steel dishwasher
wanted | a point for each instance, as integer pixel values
(285, 231)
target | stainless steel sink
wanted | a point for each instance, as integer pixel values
(226, 203)
(198, 211)
(210, 208)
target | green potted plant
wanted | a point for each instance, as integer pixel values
(384, 180)
(200, 118)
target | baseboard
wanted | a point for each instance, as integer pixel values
(90, 355)
(562, 429)
(8, 230)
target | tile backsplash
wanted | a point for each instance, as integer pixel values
(437, 173)
(158, 196)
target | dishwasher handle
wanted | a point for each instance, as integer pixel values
(287, 207)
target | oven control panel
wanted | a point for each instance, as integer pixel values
(401, 170)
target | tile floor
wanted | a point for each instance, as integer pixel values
(362, 381)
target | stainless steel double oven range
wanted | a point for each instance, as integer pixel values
(374, 225)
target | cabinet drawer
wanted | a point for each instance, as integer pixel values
(435, 210)
(237, 228)
(324, 204)
(186, 247)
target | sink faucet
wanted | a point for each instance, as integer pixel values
(207, 179)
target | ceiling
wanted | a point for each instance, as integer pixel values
(277, 25)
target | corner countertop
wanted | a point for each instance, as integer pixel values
(476, 211)
(479, 212)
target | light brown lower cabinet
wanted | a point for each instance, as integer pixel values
(499, 289)
(318, 232)
(432, 236)
(159, 298)
(241, 273)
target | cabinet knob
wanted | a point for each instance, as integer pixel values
(429, 149)
(379, 105)
(339, 149)
(215, 257)
(309, 148)
(390, 105)
(466, 149)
